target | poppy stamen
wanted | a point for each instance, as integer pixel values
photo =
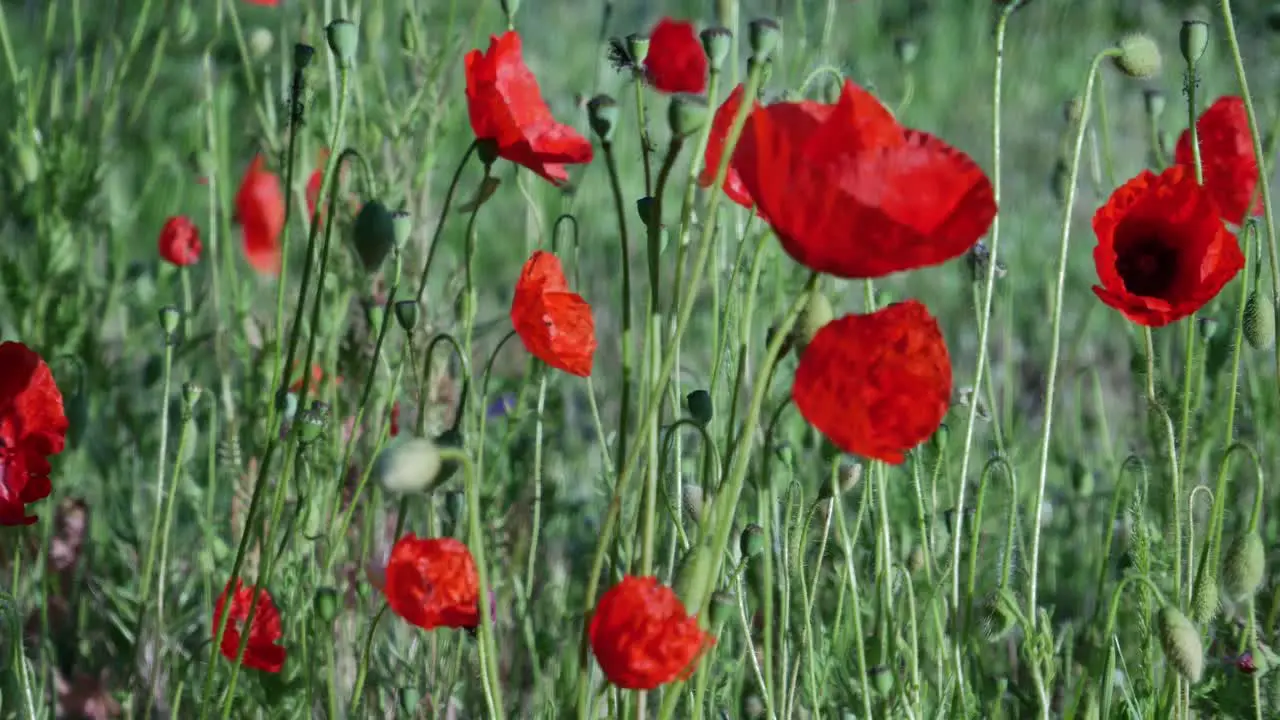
(1148, 267)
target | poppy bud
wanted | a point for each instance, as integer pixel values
(1181, 643)
(343, 40)
(1259, 322)
(187, 24)
(722, 607)
(645, 207)
(940, 437)
(190, 395)
(1208, 328)
(996, 620)
(408, 466)
(326, 604)
(407, 314)
(260, 42)
(686, 114)
(817, 313)
(302, 56)
(763, 35)
(408, 33)
(1245, 566)
(906, 50)
(699, 402)
(1193, 40)
(1153, 101)
(694, 502)
(848, 477)
(882, 678)
(170, 317)
(1139, 56)
(402, 228)
(638, 48)
(716, 42)
(1204, 603)
(374, 235)
(374, 315)
(751, 543)
(602, 115)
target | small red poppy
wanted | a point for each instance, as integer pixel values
(432, 582)
(855, 194)
(507, 110)
(642, 636)
(1163, 251)
(1227, 157)
(317, 379)
(179, 241)
(33, 426)
(263, 651)
(260, 211)
(676, 62)
(876, 385)
(553, 323)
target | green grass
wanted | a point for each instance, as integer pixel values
(99, 151)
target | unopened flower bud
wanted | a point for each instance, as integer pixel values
(408, 466)
(408, 33)
(602, 115)
(373, 235)
(1207, 327)
(1139, 56)
(343, 39)
(190, 395)
(763, 35)
(1181, 643)
(699, 402)
(326, 604)
(1259, 321)
(716, 43)
(815, 316)
(260, 42)
(1245, 566)
(723, 604)
(751, 542)
(1193, 40)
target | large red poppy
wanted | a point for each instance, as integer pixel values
(33, 426)
(876, 385)
(179, 242)
(433, 582)
(856, 195)
(553, 323)
(676, 62)
(507, 109)
(642, 636)
(263, 651)
(1227, 157)
(260, 212)
(1163, 251)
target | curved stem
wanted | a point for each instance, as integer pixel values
(444, 215)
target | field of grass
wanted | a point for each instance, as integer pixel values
(1085, 534)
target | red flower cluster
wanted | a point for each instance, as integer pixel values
(263, 651)
(180, 241)
(1227, 157)
(676, 62)
(507, 111)
(260, 212)
(553, 323)
(433, 582)
(642, 636)
(1163, 251)
(33, 426)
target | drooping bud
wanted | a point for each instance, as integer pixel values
(699, 403)
(1181, 643)
(343, 39)
(723, 604)
(694, 502)
(1259, 322)
(1207, 327)
(1244, 567)
(408, 466)
(1139, 56)
(373, 235)
(602, 115)
(1193, 40)
(1205, 601)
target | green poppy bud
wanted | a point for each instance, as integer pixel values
(170, 317)
(1205, 601)
(723, 605)
(1245, 566)
(303, 54)
(408, 465)
(1259, 322)
(751, 542)
(699, 402)
(326, 604)
(373, 235)
(1181, 643)
(1139, 56)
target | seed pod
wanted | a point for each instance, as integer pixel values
(1204, 606)
(752, 541)
(1246, 564)
(1181, 643)
(1259, 322)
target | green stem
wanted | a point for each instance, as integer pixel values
(444, 215)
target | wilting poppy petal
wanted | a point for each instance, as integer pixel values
(676, 62)
(506, 108)
(876, 385)
(260, 211)
(433, 582)
(263, 651)
(851, 193)
(642, 636)
(179, 242)
(1227, 157)
(555, 325)
(33, 426)
(1163, 251)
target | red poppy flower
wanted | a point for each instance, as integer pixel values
(507, 110)
(642, 637)
(801, 115)
(676, 62)
(432, 582)
(317, 377)
(314, 184)
(1162, 250)
(180, 241)
(33, 426)
(264, 3)
(1226, 154)
(394, 428)
(856, 195)
(263, 651)
(553, 323)
(260, 211)
(876, 385)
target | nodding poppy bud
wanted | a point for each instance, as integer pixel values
(1259, 322)
(326, 604)
(1153, 102)
(1181, 643)
(1245, 566)
(408, 466)
(1204, 603)
(699, 402)
(1139, 56)
(343, 40)
(302, 56)
(374, 235)
(687, 114)
(602, 115)
(906, 50)
(260, 42)
(402, 227)
(694, 502)
(997, 621)
(816, 314)
(722, 606)
(1193, 40)
(716, 42)
(407, 314)
(763, 35)
(638, 48)
(751, 543)
(170, 317)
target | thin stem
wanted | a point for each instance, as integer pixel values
(444, 215)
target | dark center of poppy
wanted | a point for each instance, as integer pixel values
(1148, 267)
